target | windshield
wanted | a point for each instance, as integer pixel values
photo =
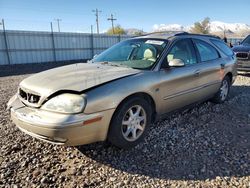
(134, 53)
(246, 41)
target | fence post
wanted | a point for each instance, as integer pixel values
(53, 42)
(6, 42)
(119, 38)
(92, 44)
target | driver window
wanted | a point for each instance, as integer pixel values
(184, 50)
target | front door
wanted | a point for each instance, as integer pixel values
(179, 85)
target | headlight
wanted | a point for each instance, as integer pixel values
(65, 103)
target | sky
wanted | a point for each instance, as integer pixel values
(77, 15)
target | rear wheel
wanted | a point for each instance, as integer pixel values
(223, 92)
(130, 123)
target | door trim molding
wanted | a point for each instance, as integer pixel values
(190, 90)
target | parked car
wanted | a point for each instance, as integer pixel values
(122, 91)
(243, 54)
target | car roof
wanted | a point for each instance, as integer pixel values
(166, 35)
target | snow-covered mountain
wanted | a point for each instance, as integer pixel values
(215, 26)
(133, 31)
(169, 27)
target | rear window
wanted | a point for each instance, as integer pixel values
(223, 47)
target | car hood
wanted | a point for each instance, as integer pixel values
(76, 77)
(241, 48)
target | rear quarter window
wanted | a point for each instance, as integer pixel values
(223, 47)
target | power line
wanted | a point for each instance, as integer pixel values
(58, 23)
(97, 19)
(112, 19)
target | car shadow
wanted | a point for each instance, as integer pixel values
(201, 143)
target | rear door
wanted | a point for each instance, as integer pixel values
(211, 68)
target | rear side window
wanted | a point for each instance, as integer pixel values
(206, 51)
(223, 47)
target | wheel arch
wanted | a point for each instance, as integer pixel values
(143, 95)
(230, 75)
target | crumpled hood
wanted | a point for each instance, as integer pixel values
(241, 48)
(76, 77)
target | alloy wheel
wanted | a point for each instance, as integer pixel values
(133, 123)
(224, 90)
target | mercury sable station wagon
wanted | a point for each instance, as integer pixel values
(121, 92)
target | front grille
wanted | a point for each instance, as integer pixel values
(29, 97)
(242, 55)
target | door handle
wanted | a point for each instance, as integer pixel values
(197, 73)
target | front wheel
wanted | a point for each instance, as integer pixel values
(223, 92)
(130, 123)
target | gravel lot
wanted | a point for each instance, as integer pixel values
(207, 146)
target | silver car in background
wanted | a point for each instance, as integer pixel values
(122, 91)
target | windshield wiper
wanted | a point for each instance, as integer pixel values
(114, 64)
(108, 63)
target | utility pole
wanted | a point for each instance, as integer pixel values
(91, 29)
(97, 19)
(53, 41)
(58, 23)
(112, 19)
(92, 42)
(5, 41)
(2, 23)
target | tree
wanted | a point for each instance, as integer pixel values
(139, 33)
(202, 27)
(118, 30)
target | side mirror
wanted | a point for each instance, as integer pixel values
(176, 63)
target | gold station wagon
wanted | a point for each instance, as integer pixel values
(121, 92)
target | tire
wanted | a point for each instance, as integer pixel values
(130, 123)
(222, 95)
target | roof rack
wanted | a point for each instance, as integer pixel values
(165, 32)
(193, 34)
(169, 34)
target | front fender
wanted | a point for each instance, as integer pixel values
(110, 95)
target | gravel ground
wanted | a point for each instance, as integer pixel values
(207, 146)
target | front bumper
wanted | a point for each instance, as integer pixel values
(62, 129)
(243, 65)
